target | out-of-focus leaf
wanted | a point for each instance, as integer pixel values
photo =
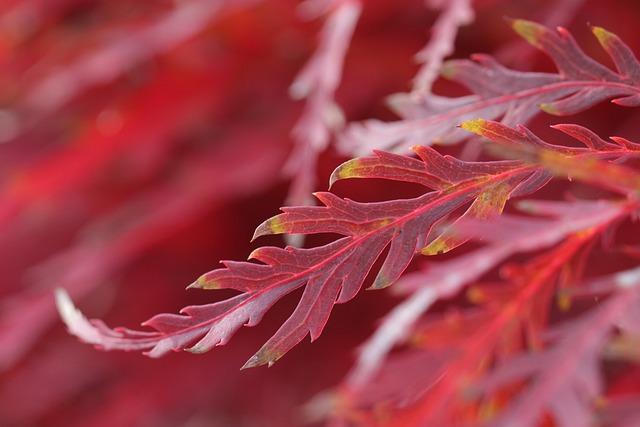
(513, 97)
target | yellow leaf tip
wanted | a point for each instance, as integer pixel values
(344, 171)
(195, 350)
(262, 357)
(528, 30)
(273, 225)
(380, 282)
(476, 126)
(603, 36)
(203, 283)
(549, 108)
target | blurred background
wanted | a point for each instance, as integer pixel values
(143, 141)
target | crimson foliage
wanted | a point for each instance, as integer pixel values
(152, 135)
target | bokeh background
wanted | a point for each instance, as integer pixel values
(143, 141)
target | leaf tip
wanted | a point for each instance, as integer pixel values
(549, 108)
(195, 350)
(476, 126)
(76, 322)
(64, 304)
(203, 282)
(274, 225)
(528, 30)
(264, 356)
(344, 171)
(604, 37)
(380, 282)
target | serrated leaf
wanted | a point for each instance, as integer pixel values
(334, 273)
(513, 97)
(584, 164)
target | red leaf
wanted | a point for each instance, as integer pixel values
(334, 273)
(513, 97)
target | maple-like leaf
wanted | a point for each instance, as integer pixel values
(512, 96)
(334, 273)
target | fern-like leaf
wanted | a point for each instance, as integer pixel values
(334, 273)
(579, 163)
(512, 96)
